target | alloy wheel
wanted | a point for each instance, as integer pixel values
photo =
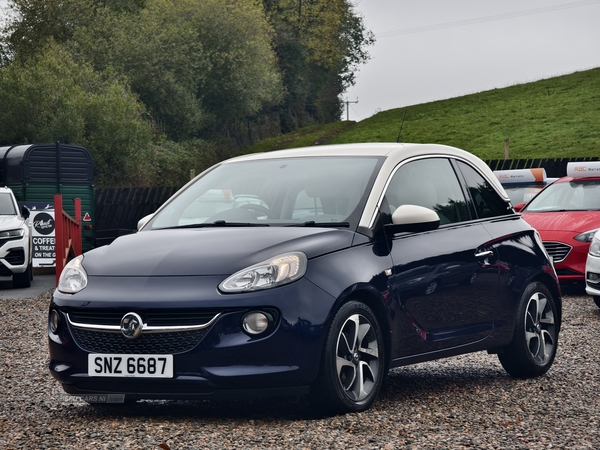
(540, 328)
(357, 357)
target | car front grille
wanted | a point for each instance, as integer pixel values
(557, 250)
(153, 317)
(88, 327)
(155, 343)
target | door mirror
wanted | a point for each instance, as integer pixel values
(413, 218)
(25, 212)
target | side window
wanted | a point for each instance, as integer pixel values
(431, 183)
(487, 201)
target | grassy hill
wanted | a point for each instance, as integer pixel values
(552, 118)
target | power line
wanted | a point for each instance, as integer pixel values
(460, 23)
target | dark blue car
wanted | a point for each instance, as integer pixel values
(340, 263)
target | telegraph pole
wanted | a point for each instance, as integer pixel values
(347, 102)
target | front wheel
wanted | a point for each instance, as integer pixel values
(596, 301)
(535, 339)
(353, 363)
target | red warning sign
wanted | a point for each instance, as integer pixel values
(87, 217)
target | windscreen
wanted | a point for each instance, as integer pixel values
(275, 192)
(522, 193)
(575, 195)
(7, 206)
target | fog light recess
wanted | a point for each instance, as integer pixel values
(257, 322)
(54, 321)
(593, 277)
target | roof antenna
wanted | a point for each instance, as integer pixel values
(402, 123)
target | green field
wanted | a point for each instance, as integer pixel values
(552, 118)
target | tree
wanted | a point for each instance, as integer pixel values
(320, 44)
(50, 97)
(33, 23)
(157, 49)
(134, 78)
(243, 77)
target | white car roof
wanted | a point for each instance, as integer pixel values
(393, 152)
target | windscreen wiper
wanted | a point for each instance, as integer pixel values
(312, 223)
(218, 224)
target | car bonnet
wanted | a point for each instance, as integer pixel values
(575, 221)
(10, 222)
(207, 251)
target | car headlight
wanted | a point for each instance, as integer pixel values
(595, 246)
(586, 236)
(277, 271)
(73, 278)
(12, 234)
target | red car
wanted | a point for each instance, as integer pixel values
(567, 214)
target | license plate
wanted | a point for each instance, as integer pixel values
(141, 366)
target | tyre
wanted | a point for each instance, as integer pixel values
(353, 363)
(533, 347)
(597, 301)
(23, 280)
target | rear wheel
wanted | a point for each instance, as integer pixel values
(353, 363)
(533, 347)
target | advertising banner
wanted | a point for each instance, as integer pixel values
(537, 175)
(42, 221)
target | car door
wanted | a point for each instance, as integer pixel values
(519, 256)
(441, 278)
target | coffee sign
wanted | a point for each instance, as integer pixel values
(43, 251)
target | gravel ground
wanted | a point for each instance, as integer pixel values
(463, 402)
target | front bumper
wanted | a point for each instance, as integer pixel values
(14, 256)
(224, 361)
(592, 276)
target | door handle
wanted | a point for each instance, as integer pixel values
(485, 254)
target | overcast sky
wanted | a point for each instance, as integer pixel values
(435, 49)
